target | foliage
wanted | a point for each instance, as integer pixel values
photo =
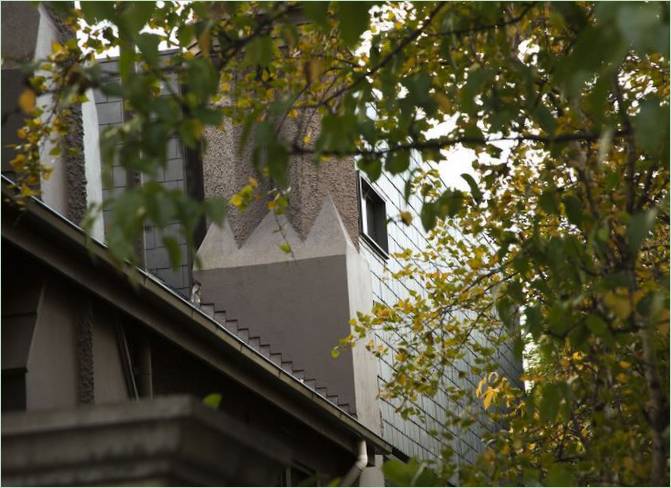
(562, 243)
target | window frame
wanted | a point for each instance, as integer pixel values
(365, 187)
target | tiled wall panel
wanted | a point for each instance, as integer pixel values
(172, 175)
(416, 437)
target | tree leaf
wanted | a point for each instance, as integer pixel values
(27, 101)
(651, 126)
(549, 403)
(560, 475)
(352, 20)
(174, 251)
(398, 162)
(639, 227)
(213, 400)
(317, 12)
(475, 191)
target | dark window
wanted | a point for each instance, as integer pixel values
(373, 217)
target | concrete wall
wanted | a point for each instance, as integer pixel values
(108, 378)
(53, 373)
(300, 302)
(28, 32)
(55, 191)
(20, 24)
(94, 194)
(18, 45)
(299, 307)
(227, 167)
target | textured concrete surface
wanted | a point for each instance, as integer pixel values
(75, 166)
(18, 43)
(86, 386)
(227, 167)
(327, 237)
(169, 441)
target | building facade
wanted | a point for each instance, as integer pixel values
(261, 333)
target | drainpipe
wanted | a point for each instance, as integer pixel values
(360, 463)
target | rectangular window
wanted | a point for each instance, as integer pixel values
(373, 221)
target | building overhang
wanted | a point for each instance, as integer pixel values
(66, 249)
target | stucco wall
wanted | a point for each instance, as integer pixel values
(227, 167)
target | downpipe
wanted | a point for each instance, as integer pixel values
(360, 463)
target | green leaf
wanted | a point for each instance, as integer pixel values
(475, 191)
(545, 118)
(398, 162)
(352, 21)
(549, 403)
(259, 51)
(134, 16)
(95, 12)
(639, 227)
(213, 400)
(639, 23)
(412, 473)
(560, 475)
(174, 252)
(651, 126)
(372, 168)
(534, 321)
(548, 202)
(428, 215)
(573, 207)
(148, 45)
(215, 209)
(449, 203)
(317, 12)
(597, 325)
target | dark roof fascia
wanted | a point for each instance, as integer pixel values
(201, 326)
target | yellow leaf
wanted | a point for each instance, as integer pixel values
(618, 303)
(621, 378)
(625, 364)
(443, 102)
(285, 247)
(204, 41)
(406, 217)
(27, 100)
(236, 200)
(478, 390)
(489, 396)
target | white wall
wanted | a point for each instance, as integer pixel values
(54, 189)
(94, 192)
